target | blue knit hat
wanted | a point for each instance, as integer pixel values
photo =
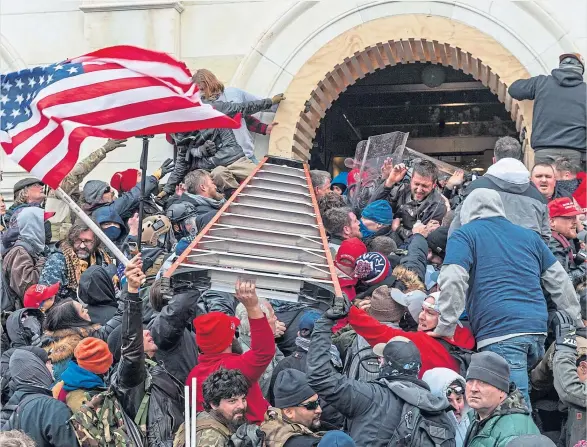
(379, 211)
(307, 321)
(337, 438)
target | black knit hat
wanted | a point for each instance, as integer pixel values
(437, 241)
(490, 368)
(291, 388)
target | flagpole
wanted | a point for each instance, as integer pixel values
(143, 166)
(93, 226)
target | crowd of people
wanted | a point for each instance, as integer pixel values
(461, 320)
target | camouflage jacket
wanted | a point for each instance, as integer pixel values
(508, 421)
(278, 429)
(211, 432)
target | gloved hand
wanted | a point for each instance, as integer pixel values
(339, 309)
(161, 195)
(209, 148)
(278, 98)
(165, 168)
(565, 333)
(114, 144)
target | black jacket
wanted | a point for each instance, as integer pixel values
(227, 149)
(171, 332)
(32, 408)
(565, 255)
(96, 289)
(559, 109)
(206, 208)
(166, 404)
(399, 197)
(372, 410)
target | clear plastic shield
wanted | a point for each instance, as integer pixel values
(366, 166)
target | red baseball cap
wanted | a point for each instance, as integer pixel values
(36, 294)
(349, 251)
(215, 331)
(563, 207)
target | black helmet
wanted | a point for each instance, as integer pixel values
(180, 211)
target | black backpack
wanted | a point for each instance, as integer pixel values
(419, 428)
(461, 355)
(361, 363)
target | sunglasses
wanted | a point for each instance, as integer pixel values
(312, 405)
(458, 390)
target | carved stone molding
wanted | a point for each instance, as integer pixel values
(129, 5)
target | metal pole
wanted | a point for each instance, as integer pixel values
(93, 226)
(143, 166)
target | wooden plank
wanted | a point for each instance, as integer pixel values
(501, 91)
(305, 126)
(360, 71)
(407, 51)
(428, 50)
(324, 99)
(508, 101)
(301, 136)
(345, 67)
(369, 56)
(315, 97)
(493, 82)
(399, 51)
(462, 61)
(441, 53)
(316, 110)
(364, 62)
(339, 78)
(454, 60)
(301, 151)
(378, 52)
(519, 122)
(417, 49)
(474, 64)
(331, 88)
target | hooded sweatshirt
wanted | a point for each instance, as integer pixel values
(439, 379)
(523, 204)
(495, 269)
(31, 227)
(107, 214)
(41, 417)
(559, 109)
(96, 289)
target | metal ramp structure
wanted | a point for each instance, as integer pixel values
(270, 230)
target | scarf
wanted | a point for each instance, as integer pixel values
(365, 232)
(569, 186)
(304, 343)
(75, 266)
(75, 377)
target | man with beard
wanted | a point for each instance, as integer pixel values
(297, 412)
(71, 258)
(225, 403)
(203, 194)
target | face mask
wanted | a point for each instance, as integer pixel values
(113, 233)
(365, 232)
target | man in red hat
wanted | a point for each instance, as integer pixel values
(215, 335)
(41, 297)
(564, 243)
(558, 122)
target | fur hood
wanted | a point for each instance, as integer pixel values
(409, 278)
(61, 344)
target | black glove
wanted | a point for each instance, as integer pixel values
(167, 167)
(209, 148)
(339, 309)
(566, 336)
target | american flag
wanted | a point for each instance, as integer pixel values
(118, 92)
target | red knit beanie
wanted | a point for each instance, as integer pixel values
(215, 331)
(92, 354)
(124, 181)
(349, 251)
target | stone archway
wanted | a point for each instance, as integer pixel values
(388, 54)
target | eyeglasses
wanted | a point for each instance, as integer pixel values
(458, 390)
(86, 242)
(312, 405)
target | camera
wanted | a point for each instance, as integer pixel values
(580, 257)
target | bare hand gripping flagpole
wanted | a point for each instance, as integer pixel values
(93, 226)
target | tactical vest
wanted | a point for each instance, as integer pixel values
(208, 427)
(278, 430)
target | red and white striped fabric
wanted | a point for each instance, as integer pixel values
(117, 92)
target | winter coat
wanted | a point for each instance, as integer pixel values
(564, 251)
(44, 419)
(96, 289)
(15, 207)
(227, 148)
(559, 116)
(524, 204)
(171, 332)
(252, 364)
(509, 420)
(399, 197)
(206, 208)
(495, 270)
(434, 354)
(133, 371)
(75, 386)
(23, 263)
(214, 301)
(439, 379)
(571, 391)
(61, 344)
(124, 206)
(372, 409)
(56, 269)
(106, 214)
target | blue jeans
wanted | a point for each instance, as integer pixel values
(522, 353)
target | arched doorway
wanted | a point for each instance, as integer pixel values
(390, 54)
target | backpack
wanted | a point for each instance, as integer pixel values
(418, 428)
(461, 355)
(360, 362)
(102, 422)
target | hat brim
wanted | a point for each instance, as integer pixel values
(51, 291)
(378, 349)
(572, 213)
